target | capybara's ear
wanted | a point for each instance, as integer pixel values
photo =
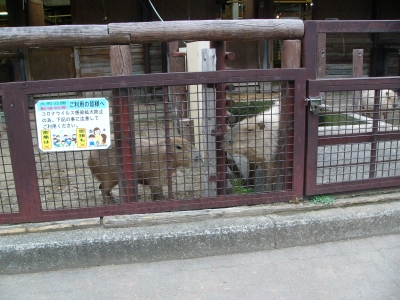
(261, 125)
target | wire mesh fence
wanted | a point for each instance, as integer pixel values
(358, 135)
(151, 147)
(8, 196)
(154, 155)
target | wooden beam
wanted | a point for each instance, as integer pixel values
(59, 36)
(210, 30)
(149, 32)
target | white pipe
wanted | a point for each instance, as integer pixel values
(155, 11)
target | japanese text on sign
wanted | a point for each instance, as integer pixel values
(73, 124)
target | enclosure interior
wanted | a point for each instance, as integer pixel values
(358, 136)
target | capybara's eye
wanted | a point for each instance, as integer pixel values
(178, 147)
(250, 130)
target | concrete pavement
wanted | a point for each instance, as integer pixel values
(367, 268)
(194, 234)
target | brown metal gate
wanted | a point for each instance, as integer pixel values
(43, 186)
(352, 143)
(351, 146)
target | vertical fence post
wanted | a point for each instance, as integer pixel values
(220, 108)
(123, 116)
(208, 124)
(179, 98)
(358, 56)
(20, 142)
(321, 55)
(291, 58)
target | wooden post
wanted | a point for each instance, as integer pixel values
(358, 56)
(291, 54)
(220, 107)
(179, 98)
(208, 124)
(123, 116)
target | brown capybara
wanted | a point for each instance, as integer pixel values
(151, 164)
(388, 102)
(256, 138)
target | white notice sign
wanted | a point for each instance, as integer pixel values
(73, 124)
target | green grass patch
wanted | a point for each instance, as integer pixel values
(245, 109)
(322, 199)
(239, 187)
(337, 120)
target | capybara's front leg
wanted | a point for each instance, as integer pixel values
(156, 192)
(106, 187)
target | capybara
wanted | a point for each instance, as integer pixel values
(151, 164)
(388, 101)
(257, 139)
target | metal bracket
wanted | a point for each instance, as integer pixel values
(314, 103)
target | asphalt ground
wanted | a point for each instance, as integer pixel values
(367, 268)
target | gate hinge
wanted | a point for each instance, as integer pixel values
(314, 103)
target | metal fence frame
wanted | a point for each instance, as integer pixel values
(16, 111)
(313, 140)
(314, 60)
(15, 105)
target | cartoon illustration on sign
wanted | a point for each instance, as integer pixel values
(72, 124)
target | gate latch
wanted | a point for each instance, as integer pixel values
(314, 103)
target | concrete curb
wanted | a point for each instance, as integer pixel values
(98, 245)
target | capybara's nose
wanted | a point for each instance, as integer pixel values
(196, 155)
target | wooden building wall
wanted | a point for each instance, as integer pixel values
(342, 9)
(95, 61)
(105, 11)
(173, 10)
(384, 47)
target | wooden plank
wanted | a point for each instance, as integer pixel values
(342, 66)
(358, 55)
(51, 63)
(35, 13)
(94, 51)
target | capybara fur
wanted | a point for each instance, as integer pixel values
(257, 139)
(388, 102)
(151, 165)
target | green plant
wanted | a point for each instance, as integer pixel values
(239, 187)
(322, 199)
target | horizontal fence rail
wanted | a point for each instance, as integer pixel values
(146, 32)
